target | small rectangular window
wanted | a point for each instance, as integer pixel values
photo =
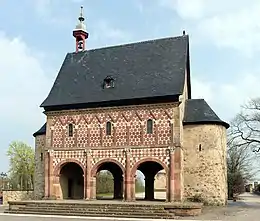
(70, 130)
(41, 156)
(108, 128)
(149, 126)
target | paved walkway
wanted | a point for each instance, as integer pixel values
(248, 208)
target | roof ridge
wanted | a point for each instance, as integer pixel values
(131, 43)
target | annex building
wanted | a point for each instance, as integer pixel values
(126, 108)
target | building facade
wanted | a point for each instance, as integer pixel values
(127, 108)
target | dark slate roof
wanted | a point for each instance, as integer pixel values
(41, 131)
(197, 111)
(153, 68)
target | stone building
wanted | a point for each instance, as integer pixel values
(127, 108)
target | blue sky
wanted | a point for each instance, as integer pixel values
(35, 36)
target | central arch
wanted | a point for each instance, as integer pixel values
(71, 179)
(116, 170)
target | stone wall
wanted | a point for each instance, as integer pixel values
(205, 169)
(39, 166)
(10, 195)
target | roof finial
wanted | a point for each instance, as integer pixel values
(80, 32)
(183, 32)
(81, 17)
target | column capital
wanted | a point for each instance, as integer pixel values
(127, 151)
(50, 151)
(171, 150)
(87, 152)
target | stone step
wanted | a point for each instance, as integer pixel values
(103, 209)
(66, 213)
(135, 206)
(139, 213)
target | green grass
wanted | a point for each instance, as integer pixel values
(111, 194)
(104, 194)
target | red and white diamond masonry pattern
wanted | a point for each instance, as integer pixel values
(58, 156)
(116, 154)
(137, 154)
(142, 153)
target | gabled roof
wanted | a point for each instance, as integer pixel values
(149, 69)
(41, 131)
(197, 111)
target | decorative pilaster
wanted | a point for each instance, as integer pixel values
(63, 135)
(171, 131)
(76, 136)
(128, 133)
(156, 132)
(128, 181)
(101, 134)
(52, 131)
(114, 134)
(142, 132)
(88, 135)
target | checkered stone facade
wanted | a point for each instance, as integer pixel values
(128, 127)
(59, 156)
(138, 154)
(116, 154)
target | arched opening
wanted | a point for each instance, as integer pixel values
(72, 181)
(154, 179)
(109, 181)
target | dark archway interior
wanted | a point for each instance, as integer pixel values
(117, 173)
(149, 170)
(72, 181)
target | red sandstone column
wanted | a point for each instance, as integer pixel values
(46, 174)
(171, 175)
(93, 188)
(87, 175)
(128, 182)
(177, 173)
(50, 174)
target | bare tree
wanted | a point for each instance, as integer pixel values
(245, 128)
(239, 167)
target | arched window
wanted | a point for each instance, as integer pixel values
(108, 128)
(70, 130)
(149, 126)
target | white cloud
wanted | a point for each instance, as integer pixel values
(24, 85)
(49, 11)
(42, 7)
(106, 34)
(227, 98)
(228, 24)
